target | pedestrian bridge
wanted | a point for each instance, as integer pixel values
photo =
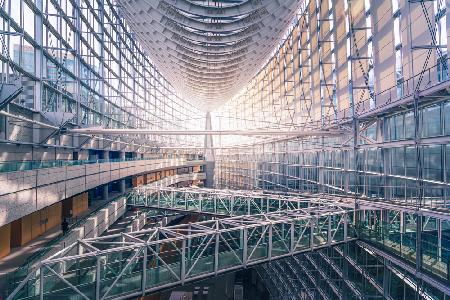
(250, 228)
(227, 202)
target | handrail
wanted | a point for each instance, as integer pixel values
(24, 268)
(14, 166)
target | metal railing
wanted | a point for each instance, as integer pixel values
(14, 278)
(14, 166)
(395, 94)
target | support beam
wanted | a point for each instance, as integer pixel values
(281, 132)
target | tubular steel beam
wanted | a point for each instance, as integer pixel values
(296, 133)
(228, 202)
(115, 270)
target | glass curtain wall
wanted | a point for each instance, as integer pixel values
(386, 147)
(80, 57)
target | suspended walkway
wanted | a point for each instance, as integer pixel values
(227, 202)
(253, 228)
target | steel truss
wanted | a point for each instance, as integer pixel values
(112, 84)
(329, 273)
(227, 202)
(213, 45)
(370, 104)
(254, 227)
(132, 264)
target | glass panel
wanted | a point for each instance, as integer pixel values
(409, 125)
(432, 162)
(447, 117)
(431, 119)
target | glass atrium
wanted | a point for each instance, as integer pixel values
(224, 149)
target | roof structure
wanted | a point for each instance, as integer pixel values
(209, 49)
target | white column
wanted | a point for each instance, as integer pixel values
(105, 195)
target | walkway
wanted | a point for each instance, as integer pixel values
(227, 202)
(29, 253)
(131, 264)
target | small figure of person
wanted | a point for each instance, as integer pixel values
(65, 226)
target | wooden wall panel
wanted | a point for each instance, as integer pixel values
(21, 231)
(34, 225)
(5, 240)
(54, 213)
(138, 180)
(67, 207)
(37, 223)
(150, 177)
(80, 204)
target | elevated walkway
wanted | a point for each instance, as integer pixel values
(250, 228)
(31, 186)
(50, 240)
(132, 264)
(94, 222)
(227, 202)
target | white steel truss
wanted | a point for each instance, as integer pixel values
(132, 264)
(228, 202)
(278, 133)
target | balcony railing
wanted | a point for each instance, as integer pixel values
(14, 166)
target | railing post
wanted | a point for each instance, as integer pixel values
(216, 252)
(144, 270)
(189, 242)
(345, 216)
(159, 197)
(244, 248)
(183, 261)
(41, 282)
(97, 279)
(269, 254)
(146, 197)
(439, 248)
(292, 236)
(329, 236)
(231, 205)
(419, 228)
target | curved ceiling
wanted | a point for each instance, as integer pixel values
(209, 49)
